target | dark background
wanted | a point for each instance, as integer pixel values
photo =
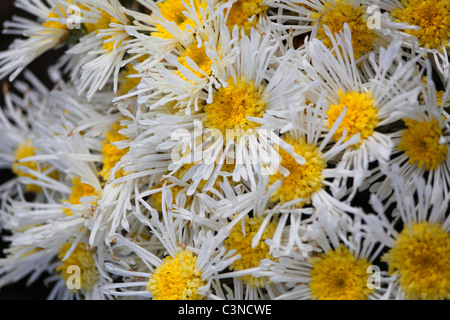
(19, 291)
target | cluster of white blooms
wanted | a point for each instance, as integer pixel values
(229, 149)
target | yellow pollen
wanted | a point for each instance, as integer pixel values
(420, 142)
(80, 258)
(303, 180)
(79, 190)
(232, 105)
(361, 116)
(112, 154)
(198, 55)
(177, 278)
(421, 260)
(242, 11)
(55, 24)
(339, 275)
(240, 239)
(433, 18)
(25, 150)
(126, 83)
(334, 17)
(172, 10)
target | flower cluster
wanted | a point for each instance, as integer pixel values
(229, 149)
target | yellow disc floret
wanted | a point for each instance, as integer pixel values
(173, 10)
(198, 55)
(79, 190)
(128, 79)
(245, 14)
(232, 105)
(25, 150)
(420, 258)
(177, 278)
(81, 260)
(335, 15)
(303, 180)
(420, 142)
(55, 12)
(111, 153)
(433, 18)
(240, 239)
(361, 115)
(339, 275)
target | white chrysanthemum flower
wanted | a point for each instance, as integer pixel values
(98, 57)
(341, 268)
(429, 31)
(191, 258)
(260, 87)
(168, 24)
(421, 147)
(422, 31)
(190, 71)
(87, 143)
(172, 23)
(57, 251)
(370, 29)
(19, 152)
(372, 104)
(44, 33)
(417, 237)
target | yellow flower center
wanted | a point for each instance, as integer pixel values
(232, 105)
(81, 260)
(334, 17)
(433, 18)
(79, 190)
(172, 10)
(361, 116)
(177, 278)
(198, 55)
(240, 239)
(241, 14)
(339, 275)
(421, 260)
(25, 150)
(303, 180)
(112, 154)
(420, 142)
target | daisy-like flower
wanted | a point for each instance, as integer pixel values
(418, 239)
(55, 250)
(98, 57)
(44, 33)
(306, 16)
(431, 31)
(189, 72)
(88, 145)
(372, 100)
(19, 118)
(237, 133)
(167, 24)
(179, 266)
(421, 147)
(425, 26)
(340, 268)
